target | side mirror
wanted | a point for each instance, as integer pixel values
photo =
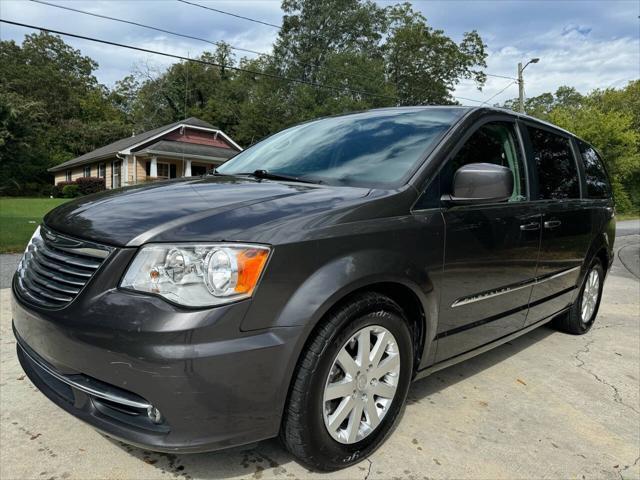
(481, 183)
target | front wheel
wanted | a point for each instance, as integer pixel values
(350, 385)
(583, 312)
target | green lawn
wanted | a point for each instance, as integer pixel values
(621, 217)
(19, 218)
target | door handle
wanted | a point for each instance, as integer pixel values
(552, 224)
(527, 227)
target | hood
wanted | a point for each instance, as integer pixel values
(214, 208)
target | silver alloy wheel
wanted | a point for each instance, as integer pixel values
(590, 295)
(361, 384)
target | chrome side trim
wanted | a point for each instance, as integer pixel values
(490, 294)
(501, 291)
(557, 275)
(86, 387)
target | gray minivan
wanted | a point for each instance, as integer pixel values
(299, 288)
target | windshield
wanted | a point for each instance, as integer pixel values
(374, 149)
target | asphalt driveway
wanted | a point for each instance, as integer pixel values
(547, 405)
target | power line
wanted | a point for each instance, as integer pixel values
(142, 25)
(231, 14)
(468, 99)
(494, 96)
(192, 37)
(280, 28)
(497, 76)
(198, 60)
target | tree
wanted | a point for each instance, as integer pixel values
(337, 56)
(398, 57)
(53, 109)
(424, 64)
(21, 125)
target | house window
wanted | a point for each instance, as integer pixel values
(163, 170)
(67, 175)
(87, 171)
(102, 170)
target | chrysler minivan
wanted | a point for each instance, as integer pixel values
(302, 286)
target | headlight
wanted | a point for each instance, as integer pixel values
(197, 275)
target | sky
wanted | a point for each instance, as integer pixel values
(585, 44)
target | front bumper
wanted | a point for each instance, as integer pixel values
(214, 385)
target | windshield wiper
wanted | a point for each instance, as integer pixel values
(277, 176)
(214, 172)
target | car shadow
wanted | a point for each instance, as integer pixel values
(255, 458)
(449, 376)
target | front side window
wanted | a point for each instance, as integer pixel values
(377, 148)
(557, 172)
(102, 170)
(67, 175)
(87, 171)
(595, 174)
(494, 143)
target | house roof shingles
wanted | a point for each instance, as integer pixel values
(188, 150)
(124, 143)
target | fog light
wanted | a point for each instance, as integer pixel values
(154, 414)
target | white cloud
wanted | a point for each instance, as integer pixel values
(568, 56)
(593, 46)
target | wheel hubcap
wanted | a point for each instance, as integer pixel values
(590, 296)
(361, 384)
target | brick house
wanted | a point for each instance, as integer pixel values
(182, 149)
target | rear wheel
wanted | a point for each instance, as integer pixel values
(351, 384)
(584, 311)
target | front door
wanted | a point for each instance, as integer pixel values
(198, 170)
(116, 167)
(491, 250)
(566, 222)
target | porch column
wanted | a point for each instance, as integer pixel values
(125, 171)
(187, 168)
(153, 171)
(135, 170)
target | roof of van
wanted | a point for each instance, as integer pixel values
(470, 109)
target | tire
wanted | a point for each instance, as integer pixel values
(306, 431)
(573, 322)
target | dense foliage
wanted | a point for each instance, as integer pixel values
(608, 119)
(52, 108)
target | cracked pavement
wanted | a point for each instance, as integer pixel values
(546, 405)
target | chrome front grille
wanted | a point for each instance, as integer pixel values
(55, 268)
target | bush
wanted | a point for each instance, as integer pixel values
(87, 185)
(57, 189)
(83, 186)
(71, 191)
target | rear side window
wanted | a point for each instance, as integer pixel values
(557, 172)
(595, 175)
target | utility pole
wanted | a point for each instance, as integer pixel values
(521, 83)
(520, 89)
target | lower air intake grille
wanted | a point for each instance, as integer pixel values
(55, 268)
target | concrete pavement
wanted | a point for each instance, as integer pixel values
(8, 264)
(628, 227)
(547, 405)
